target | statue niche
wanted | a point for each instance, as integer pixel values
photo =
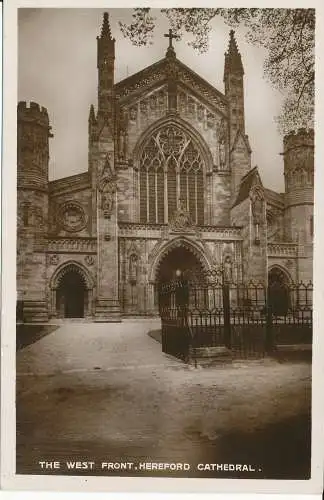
(107, 187)
(257, 208)
(222, 144)
(133, 268)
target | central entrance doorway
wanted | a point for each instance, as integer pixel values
(181, 259)
(71, 295)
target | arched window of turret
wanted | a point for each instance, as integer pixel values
(171, 169)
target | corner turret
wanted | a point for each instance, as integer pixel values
(105, 65)
(33, 133)
(299, 184)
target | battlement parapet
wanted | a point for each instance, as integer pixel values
(301, 138)
(32, 112)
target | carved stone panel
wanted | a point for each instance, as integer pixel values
(72, 217)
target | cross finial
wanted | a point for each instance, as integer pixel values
(171, 36)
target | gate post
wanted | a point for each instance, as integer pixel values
(269, 340)
(227, 315)
(182, 303)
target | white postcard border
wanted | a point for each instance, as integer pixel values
(26, 482)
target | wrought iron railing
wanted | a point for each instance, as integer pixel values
(249, 319)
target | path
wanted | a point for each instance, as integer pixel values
(107, 392)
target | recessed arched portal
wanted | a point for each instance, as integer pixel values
(71, 295)
(180, 258)
(71, 292)
(278, 295)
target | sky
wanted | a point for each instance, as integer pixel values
(57, 68)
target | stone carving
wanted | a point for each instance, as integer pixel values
(208, 92)
(181, 220)
(200, 112)
(148, 77)
(282, 249)
(129, 229)
(191, 106)
(188, 104)
(107, 187)
(222, 153)
(133, 268)
(222, 135)
(172, 76)
(228, 269)
(133, 113)
(72, 217)
(143, 107)
(107, 200)
(54, 259)
(89, 259)
(256, 197)
(182, 102)
(72, 245)
(161, 100)
(257, 207)
(122, 136)
(153, 102)
(210, 120)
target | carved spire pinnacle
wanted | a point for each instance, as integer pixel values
(92, 116)
(105, 28)
(233, 60)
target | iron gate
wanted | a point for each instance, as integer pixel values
(247, 319)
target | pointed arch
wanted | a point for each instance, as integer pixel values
(281, 272)
(182, 124)
(71, 291)
(67, 267)
(172, 160)
(279, 289)
(168, 247)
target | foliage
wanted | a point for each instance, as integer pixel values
(286, 34)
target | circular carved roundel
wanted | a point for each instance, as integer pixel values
(72, 217)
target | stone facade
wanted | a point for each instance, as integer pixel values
(169, 184)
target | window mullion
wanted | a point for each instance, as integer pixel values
(177, 187)
(147, 197)
(156, 198)
(139, 194)
(166, 207)
(196, 200)
(187, 186)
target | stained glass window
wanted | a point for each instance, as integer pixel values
(171, 169)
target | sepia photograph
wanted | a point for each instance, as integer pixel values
(164, 242)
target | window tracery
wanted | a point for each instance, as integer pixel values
(171, 169)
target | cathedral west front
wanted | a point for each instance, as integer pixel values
(169, 186)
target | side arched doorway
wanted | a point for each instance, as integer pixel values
(71, 292)
(278, 291)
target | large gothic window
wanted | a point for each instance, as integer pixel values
(170, 171)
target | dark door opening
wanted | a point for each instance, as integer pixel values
(180, 259)
(71, 295)
(278, 292)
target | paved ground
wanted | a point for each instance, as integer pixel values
(106, 392)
